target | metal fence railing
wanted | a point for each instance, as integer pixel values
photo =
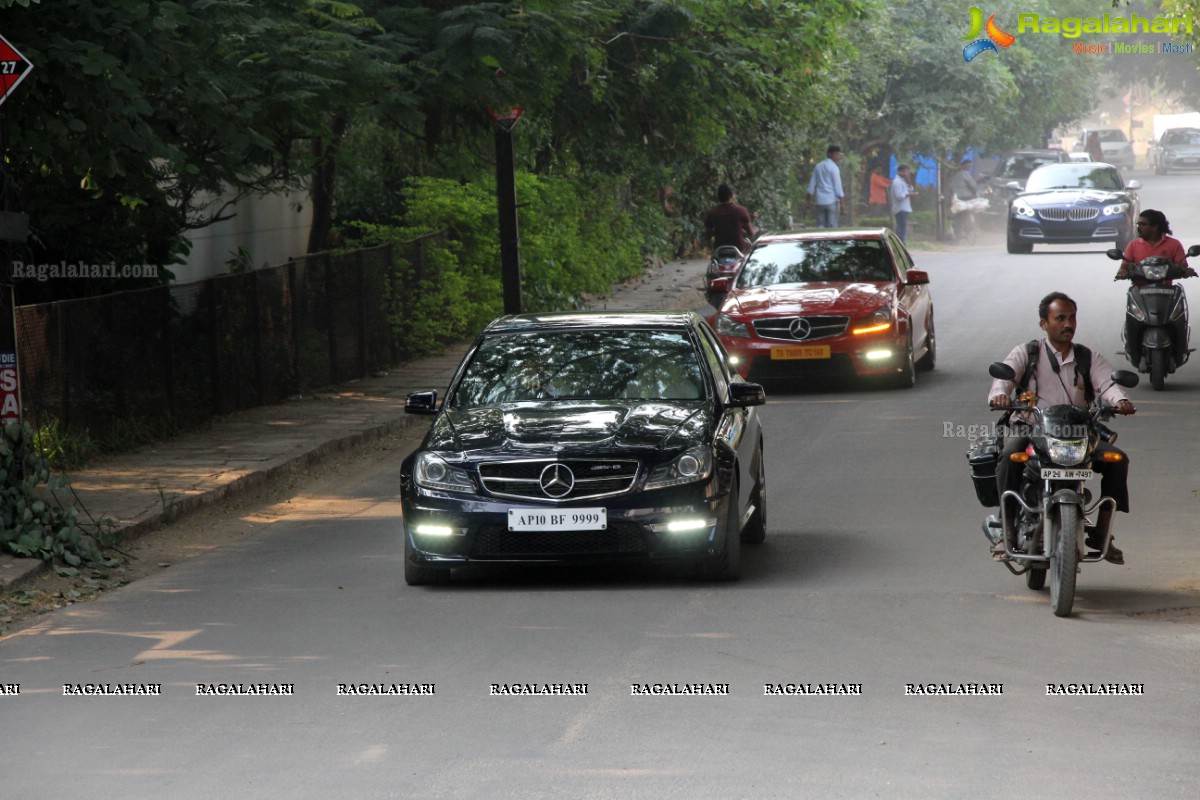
(187, 352)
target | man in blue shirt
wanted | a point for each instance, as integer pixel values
(825, 189)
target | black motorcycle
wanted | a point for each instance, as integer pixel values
(1156, 328)
(1053, 503)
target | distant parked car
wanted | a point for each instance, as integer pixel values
(1014, 168)
(1113, 144)
(1080, 158)
(1073, 204)
(1177, 148)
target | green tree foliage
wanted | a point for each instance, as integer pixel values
(142, 121)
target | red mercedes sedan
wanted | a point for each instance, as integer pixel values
(829, 302)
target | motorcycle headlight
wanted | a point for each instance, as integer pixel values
(1115, 209)
(728, 326)
(1067, 452)
(1022, 209)
(688, 467)
(1155, 272)
(433, 472)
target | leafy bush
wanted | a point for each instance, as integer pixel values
(575, 238)
(32, 522)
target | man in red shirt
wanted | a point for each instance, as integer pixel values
(1154, 239)
(728, 223)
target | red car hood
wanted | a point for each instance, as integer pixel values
(842, 299)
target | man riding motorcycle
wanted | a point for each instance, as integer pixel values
(1058, 371)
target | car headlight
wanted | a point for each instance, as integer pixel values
(1067, 452)
(431, 471)
(728, 326)
(688, 467)
(878, 322)
(1022, 209)
(1115, 209)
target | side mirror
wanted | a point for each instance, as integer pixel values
(1124, 377)
(421, 403)
(1116, 254)
(1002, 371)
(916, 277)
(1193, 251)
(744, 393)
(1013, 185)
(1134, 184)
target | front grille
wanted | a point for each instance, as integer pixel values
(589, 479)
(781, 328)
(1065, 214)
(621, 538)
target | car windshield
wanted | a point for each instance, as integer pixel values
(1110, 135)
(818, 260)
(1018, 167)
(1074, 176)
(1182, 136)
(581, 365)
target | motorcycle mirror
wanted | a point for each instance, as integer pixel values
(1001, 371)
(1124, 377)
(1193, 251)
(1116, 254)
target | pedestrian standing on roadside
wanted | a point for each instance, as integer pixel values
(900, 192)
(825, 189)
(877, 199)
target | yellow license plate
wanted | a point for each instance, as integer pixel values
(800, 351)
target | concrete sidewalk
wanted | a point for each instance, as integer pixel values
(145, 489)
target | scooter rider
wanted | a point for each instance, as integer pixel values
(1154, 239)
(1061, 375)
(728, 223)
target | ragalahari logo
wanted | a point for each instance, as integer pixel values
(995, 35)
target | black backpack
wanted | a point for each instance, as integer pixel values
(1083, 367)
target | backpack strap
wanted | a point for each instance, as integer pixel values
(1033, 348)
(1083, 369)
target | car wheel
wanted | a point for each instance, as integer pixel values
(929, 360)
(726, 565)
(756, 529)
(417, 575)
(908, 370)
(1016, 246)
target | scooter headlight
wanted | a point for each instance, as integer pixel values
(1067, 452)
(1155, 272)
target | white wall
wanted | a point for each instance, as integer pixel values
(269, 226)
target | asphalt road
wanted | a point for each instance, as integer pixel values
(875, 575)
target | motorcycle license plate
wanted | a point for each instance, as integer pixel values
(563, 519)
(800, 351)
(1055, 474)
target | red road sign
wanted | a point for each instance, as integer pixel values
(13, 68)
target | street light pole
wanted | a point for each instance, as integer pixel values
(506, 207)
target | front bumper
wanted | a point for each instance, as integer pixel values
(859, 357)
(638, 529)
(1104, 229)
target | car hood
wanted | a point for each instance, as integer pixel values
(1067, 197)
(844, 299)
(620, 425)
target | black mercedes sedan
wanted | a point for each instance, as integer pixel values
(587, 437)
(1074, 203)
